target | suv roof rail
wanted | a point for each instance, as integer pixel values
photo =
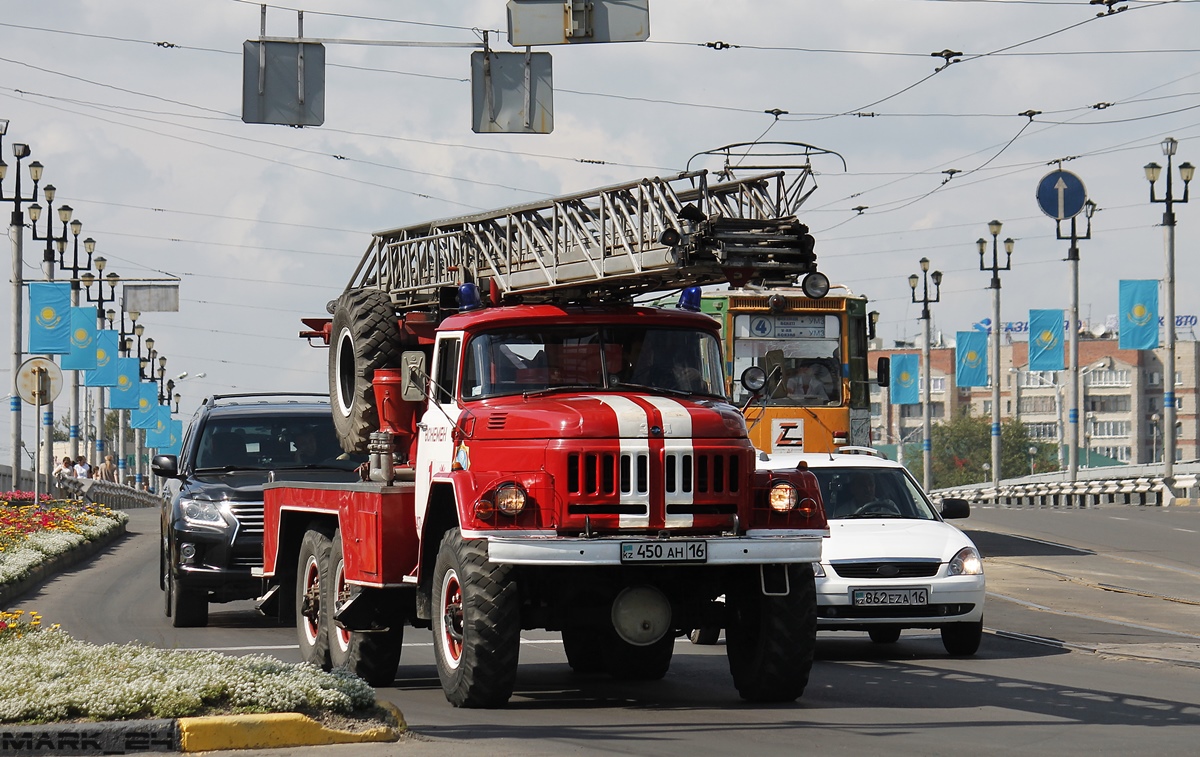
(212, 399)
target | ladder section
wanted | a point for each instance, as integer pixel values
(620, 240)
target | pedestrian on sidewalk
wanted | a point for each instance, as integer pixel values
(107, 471)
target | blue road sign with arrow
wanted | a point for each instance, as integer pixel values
(1060, 195)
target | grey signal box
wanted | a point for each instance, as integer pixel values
(555, 22)
(283, 83)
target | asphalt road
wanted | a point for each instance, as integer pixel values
(1090, 650)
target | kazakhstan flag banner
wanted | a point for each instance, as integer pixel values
(50, 321)
(105, 372)
(972, 363)
(1139, 315)
(126, 394)
(146, 414)
(176, 439)
(903, 390)
(159, 435)
(82, 356)
(1046, 340)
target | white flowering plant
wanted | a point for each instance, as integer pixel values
(32, 532)
(50, 677)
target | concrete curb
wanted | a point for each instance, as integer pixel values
(49, 568)
(276, 730)
(188, 734)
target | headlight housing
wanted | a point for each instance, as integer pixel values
(782, 497)
(966, 563)
(201, 512)
(818, 570)
(510, 499)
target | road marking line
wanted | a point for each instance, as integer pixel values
(1035, 606)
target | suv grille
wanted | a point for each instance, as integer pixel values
(249, 516)
(883, 569)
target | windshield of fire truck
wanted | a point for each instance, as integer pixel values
(545, 358)
(800, 353)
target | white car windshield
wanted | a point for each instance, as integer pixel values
(861, 492)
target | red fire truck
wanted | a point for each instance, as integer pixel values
(546, 455)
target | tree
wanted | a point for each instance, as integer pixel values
(963, 444)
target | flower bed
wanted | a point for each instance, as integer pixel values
(32, 533)
(50, 676)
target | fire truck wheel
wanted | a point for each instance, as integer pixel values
(476, 624)
(365, 336)
(313, 575)
(633, 663)
(769, 640)
(584, 648)
(372, 656)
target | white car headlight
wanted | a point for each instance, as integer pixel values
(966, 563)
(201, 512)
(818, 571)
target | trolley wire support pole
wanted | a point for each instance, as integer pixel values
(927, 369)
(1089, 209)
(1186, 171)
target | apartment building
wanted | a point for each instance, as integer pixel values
(1120, 399)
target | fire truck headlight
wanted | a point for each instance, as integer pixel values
(783, 497)
(510, 499)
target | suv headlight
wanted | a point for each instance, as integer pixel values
(201, 512)
(966, 563)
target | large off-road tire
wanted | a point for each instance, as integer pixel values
(365, 336)
(476, 624)
(372, 656)
(962, 639)
(770, 639)
(584, 648)
(632, 663)
(314, 574)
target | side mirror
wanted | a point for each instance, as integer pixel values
(883, 371)
(165, 466)
(412, 385)
(953, 507)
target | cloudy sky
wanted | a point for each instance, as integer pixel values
(134, 108)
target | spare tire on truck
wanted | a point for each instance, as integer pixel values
(365, 336)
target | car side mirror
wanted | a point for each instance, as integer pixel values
(952, 507)
(165, 466)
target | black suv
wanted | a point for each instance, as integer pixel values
(212, 517)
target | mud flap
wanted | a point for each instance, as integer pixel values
(774, 580)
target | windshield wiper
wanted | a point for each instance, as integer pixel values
(562, 388)
(318, 466)
(229, 468)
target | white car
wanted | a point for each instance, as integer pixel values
(891, 561)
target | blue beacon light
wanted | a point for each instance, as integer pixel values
(468, 297)
(689, 299)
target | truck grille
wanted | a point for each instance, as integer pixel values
(619, 483)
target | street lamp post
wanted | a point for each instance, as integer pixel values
(1154, 437)
(927, 378)
(1186, 171)
(995, 268)
(125, 345)
(1032, 456)
(112, 280)
(48, 263)
(16, 235)
(89, 246)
